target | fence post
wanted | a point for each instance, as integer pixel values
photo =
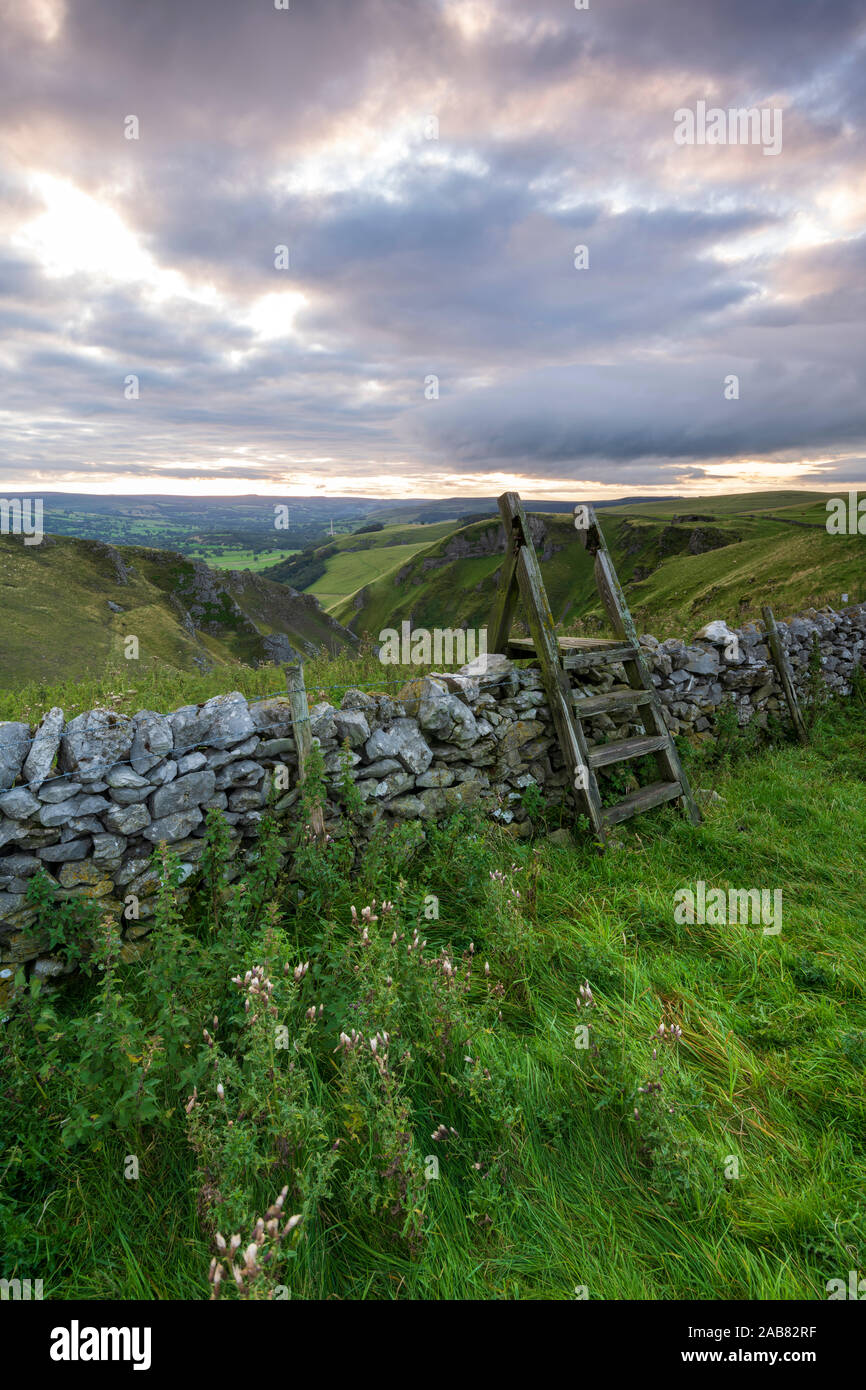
(297, 693)
(784, 670)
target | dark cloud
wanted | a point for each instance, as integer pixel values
(416, 256)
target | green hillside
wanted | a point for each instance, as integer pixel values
(336, 571)
(682, 563)
(69, 605)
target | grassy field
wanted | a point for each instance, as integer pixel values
(677, 572)
(239, 559)
(726, 1164)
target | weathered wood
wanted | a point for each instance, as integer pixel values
(774, 641)
(570, 644)
(588, 706)
(297, 692)
(624, 750)
(642, 800)
(572, 658)
(507, 592)
(667, 758)
(596, 660)
(571, 738)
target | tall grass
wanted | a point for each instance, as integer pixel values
(561, 1168)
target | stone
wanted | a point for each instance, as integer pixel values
(58, 789)
(218, 723)
(183, 793)
(241, 750)
(272, 717)
(562, 838)
(126, 820)
(701, 662)
(382, 768)
(43, 750)
(129, 796)
(322, 722)
(717, 632)
(14, 743)
(9, 903)
(394, 784)
(18, 804)
(173, 827)
(81, 825)
(21, 865)
(240, 774)
(108, 846)
(440, 712)
(246, 799)
(125, 777)
(352, 725)
(64, 811)
(86, 873)
(152, 740)
(402, 741)
(274, 747)
(62, 853)
(358, 700)
(435, 777)
(165, 772)
(191, 762)
(94, 742)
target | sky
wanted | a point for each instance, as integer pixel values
(430, 167)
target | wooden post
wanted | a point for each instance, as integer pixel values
(499, 627)
(781, 662)
(297, 692)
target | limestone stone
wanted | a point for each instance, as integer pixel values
(43, 750)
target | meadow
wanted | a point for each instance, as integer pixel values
(389, 1035)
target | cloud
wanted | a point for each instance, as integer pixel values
(412, 255)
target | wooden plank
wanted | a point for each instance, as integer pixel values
(623, 750)
(507, 591)
(595, 660)
(642, 800)
(297, 693)
(540, 620)
(782, 666)
(567, 644)
(587, 706)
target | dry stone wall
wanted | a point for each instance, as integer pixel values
(87, 801)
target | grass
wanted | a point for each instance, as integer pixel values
(759, 558)
(222, 558)
(571, 1189)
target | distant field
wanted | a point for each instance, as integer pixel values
(240, 559)
(351, 571)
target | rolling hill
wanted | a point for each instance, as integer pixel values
(681, 562)
(69, 605)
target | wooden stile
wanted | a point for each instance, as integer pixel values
(521, 579)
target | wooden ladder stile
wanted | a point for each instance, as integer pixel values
(520, 578)
(524, 577)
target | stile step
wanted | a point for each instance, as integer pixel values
(642, 800)
(586, 706)
(624, 749)
(576, 660)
